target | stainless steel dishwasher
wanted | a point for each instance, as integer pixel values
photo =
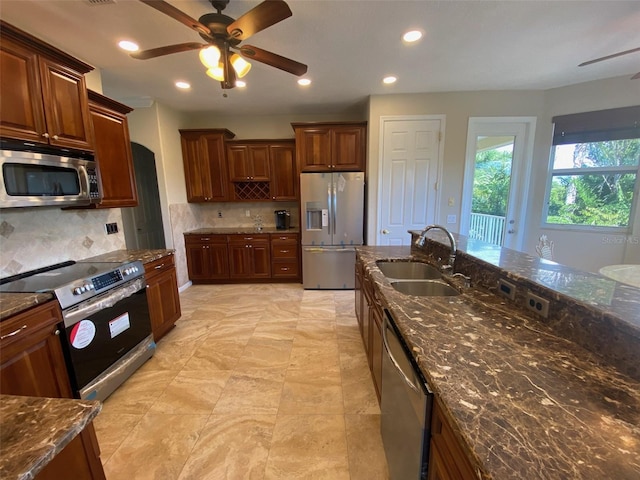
(406, 409)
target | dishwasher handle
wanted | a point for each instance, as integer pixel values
(385, 342)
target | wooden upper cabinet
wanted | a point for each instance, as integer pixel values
(248, 163)
(44, 94)
(322, 147)
(113, 152)
(284, 172)
(205, 164)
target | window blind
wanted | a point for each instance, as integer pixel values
(598, 126)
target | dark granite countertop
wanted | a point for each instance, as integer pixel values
(239, 230)
(145, 256)
(34, 430)
(524, 401)
(13, 303)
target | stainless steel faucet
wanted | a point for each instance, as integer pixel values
(452, 255)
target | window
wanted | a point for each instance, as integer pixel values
(595, 162)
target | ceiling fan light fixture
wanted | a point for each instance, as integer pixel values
(240, 83)
(240, 65)
(210, 56)
(217, 73)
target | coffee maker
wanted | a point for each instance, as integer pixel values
(283, 219)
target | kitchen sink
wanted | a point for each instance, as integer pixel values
(425, 289)
(409, 270)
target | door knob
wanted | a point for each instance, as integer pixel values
(385, 231)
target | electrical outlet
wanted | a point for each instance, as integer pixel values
(111, 228)
(537, 304)
(451, 219)
(507, 289)
(219, 213)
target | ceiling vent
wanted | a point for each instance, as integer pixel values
(100, 2)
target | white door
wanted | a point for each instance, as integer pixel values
(409, 171)
(498, 160)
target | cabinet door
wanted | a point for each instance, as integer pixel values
(240, 262)
(376, 347)
(259, 163)
(205, 168)
(114, 157)
(218, 261)
(162, 295)
(197, 261)
(238, 160)
(284, 175)
(66, 106)
(359, 293)
(366, 316)
(348, 148)
(313, 148)
(32, 362)
(21, 109)
(261, 259)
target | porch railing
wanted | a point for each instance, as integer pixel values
(488, 228)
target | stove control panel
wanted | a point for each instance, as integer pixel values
(92, 286)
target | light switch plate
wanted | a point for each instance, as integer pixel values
(111, 228)
(451, 219)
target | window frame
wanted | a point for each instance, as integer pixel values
(583, 171)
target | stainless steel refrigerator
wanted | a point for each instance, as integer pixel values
(332, 225)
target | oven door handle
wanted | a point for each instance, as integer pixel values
(107, 300)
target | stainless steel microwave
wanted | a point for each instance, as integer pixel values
(33, 178)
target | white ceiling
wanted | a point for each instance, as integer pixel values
(349, 46)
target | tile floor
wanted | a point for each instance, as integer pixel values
(254, 382)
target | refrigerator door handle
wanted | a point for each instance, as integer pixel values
(330, 203)
(335, 210)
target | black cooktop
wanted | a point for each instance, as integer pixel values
(47, 279)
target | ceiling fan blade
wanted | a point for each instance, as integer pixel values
(160, 51)
(269, 58)
(607, 57)
(258, 18)
(178, 15)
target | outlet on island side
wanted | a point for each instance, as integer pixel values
(537, 304)
(111, 228)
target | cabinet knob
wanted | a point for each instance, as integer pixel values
(55, 137)
(57, 332)
(45, 135)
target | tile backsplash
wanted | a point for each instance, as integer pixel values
(36, 237)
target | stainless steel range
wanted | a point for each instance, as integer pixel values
(106, 324)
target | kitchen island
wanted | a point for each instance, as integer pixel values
(35, 430)
(524, 399)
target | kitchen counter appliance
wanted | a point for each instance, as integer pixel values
(332, 226)
(406, 405)
(106, 324)
(33, 176)
(283, 219)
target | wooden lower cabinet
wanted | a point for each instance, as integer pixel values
(285, 258)
(249, 256)
(376, 346)
(207, 257)
(238, 258)
(370, 323)
(32, 364)
(162, 295)
(447, 460)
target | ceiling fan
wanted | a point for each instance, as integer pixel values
(613, 55)
(223, 54)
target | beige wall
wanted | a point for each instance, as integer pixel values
(587, 251)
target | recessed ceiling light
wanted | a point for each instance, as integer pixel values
(240, 83)
(128, 46)
(389, 80)
(183, 85)
(412, 36)
(304, 82)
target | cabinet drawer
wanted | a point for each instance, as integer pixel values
(284, 251)
(212, 238)
(248, 238)
(23, 325)
(159, 265)
(286, 238)
(284, 269)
